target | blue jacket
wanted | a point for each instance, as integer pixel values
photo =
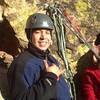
(29, 81)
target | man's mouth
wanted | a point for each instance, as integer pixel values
(43, 43)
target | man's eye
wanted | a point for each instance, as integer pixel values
(47, 32)
(37, 32)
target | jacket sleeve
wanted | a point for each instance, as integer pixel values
(87, 87)
(21, 89)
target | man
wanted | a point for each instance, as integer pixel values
(34, 74)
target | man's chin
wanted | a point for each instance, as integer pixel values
(43, 48)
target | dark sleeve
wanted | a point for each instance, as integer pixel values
(87, 87)
(21, 89)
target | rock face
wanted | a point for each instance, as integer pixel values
(13, 15)
(16, 12)
(8, 41)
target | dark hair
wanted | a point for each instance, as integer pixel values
(97, 41)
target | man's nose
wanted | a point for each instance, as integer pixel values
(42, 35)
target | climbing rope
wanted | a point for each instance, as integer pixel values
(56, 16)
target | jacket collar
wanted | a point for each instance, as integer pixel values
(37, 52)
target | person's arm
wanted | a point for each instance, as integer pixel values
(87, 87)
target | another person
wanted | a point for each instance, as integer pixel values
(5, 61)
(35, 73)
(87, 79)
(9, 49)
(91, 76)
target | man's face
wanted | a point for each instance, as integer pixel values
(98, 61)
(41, 38)
(97, 51)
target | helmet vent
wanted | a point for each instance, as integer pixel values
(33, 20)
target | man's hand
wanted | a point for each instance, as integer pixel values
(54, 69)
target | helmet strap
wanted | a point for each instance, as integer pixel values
(31, 32)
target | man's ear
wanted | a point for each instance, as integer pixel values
(51, 42)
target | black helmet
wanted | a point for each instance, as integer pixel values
(39, 20)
